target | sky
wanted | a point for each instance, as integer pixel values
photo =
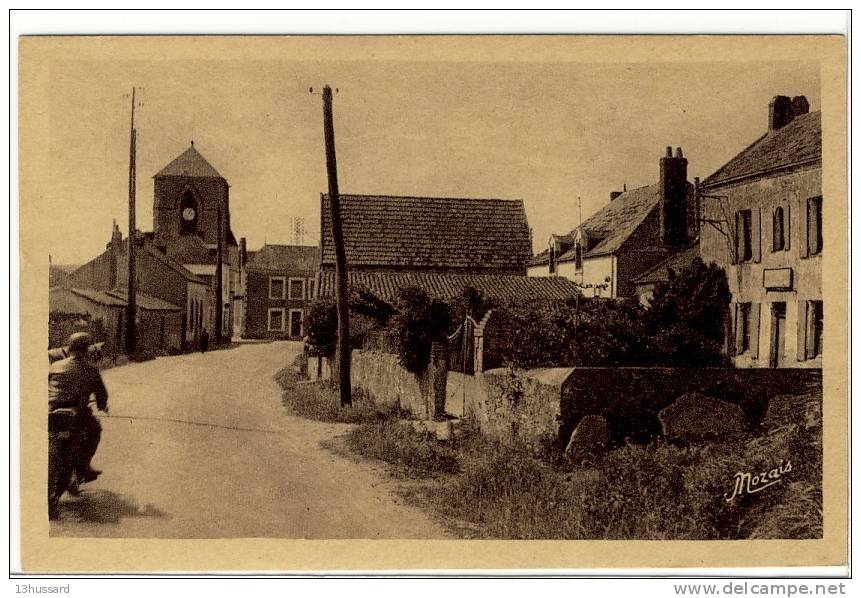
(546, 133)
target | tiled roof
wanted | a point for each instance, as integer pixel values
(190, 163)
(173, 264)
(284, 257)
(676, 262)
(799, 142)
(540, 259)
(99, 297)
(615, 222)
(499, 288)
(430, 232)
(144, 301)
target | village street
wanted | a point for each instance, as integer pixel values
(200, 446)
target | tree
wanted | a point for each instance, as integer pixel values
(686, 318)
(418, 323)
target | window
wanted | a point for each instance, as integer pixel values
(276, 319)
(297, 288)
(779, 228)
(814, 329)
(814, 225)
(744, 235)
(552, 261)
(578, 255)
(743, 328)
(311, 288)
(276, 287)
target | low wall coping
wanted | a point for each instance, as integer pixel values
(549, 376)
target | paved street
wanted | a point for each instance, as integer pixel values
(199, 446)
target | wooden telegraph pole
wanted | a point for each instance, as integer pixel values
(131, 307)
(342, 348)
(219, 278)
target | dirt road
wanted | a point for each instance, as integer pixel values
(200, 446)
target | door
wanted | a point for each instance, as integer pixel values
(295, 323)
(778, 335)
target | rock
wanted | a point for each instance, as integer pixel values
(588, 440)
(696, 416)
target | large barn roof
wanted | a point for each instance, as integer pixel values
(430, 232)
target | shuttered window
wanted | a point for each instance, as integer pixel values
(814, 225)
(742, 328)
(778, 234)
(744, 235)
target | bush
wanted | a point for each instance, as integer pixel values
(321, 326)
(686, 317)
(683, 327)
(418, 322)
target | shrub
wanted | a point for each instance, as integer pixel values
(321, 325)
(685, 319)
(418, 322)
(683, 327)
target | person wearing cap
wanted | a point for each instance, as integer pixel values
(71, 383)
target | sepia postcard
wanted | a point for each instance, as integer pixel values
(340, 303)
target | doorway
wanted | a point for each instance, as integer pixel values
(777, 349)
(295, 329)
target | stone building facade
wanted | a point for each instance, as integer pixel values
(762, 222)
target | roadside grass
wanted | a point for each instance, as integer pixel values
(319, 401)
(396, 442)
(654, 491)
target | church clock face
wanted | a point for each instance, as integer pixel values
(188, 214)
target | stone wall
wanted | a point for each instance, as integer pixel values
(510, 406)
(544, 405)
(382, 377)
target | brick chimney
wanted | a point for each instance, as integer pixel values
(779, 112)
(674, 194)
(799, 106)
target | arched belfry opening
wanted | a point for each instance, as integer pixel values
(189, 213)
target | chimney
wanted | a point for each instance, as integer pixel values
(779, 112)
(799, 106)
(674, 195)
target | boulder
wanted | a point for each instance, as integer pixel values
(696, 416)
(588, 440)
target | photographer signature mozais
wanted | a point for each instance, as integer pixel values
(749, 483)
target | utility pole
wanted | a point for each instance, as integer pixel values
(219, 277)
(131, 305)
(342, 348)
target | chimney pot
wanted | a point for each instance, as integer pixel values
(779, 112)
(679, 153)
(799, 106)
(669, 152)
